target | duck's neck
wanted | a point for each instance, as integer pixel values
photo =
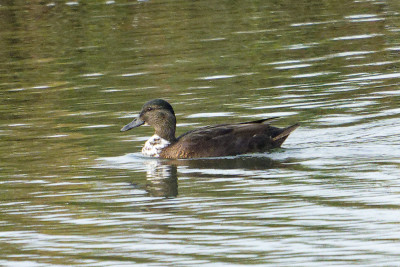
(166, 130)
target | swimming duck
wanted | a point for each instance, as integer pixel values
(209, 141)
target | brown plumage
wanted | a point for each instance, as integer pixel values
(210, 141)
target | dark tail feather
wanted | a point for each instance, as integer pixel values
(280, 138)
(261, 121)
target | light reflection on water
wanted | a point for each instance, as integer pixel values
(76, 191)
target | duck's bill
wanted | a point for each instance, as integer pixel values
(135, 123)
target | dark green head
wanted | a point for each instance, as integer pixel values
(157, 104)
(160, 115)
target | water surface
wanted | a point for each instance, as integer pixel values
(76, 191)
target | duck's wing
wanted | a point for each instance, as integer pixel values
(222, 128)
(205, 131)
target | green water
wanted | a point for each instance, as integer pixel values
(76, 191)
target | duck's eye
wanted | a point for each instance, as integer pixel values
(149, 109)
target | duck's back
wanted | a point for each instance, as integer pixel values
(227, 140)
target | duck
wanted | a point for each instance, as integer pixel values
(210, 141)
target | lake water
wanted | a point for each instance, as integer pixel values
(76, 191)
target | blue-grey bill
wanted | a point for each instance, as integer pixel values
(135, 123)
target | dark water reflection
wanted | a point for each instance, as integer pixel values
(75, 191)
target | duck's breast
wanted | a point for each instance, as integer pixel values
(154, 146)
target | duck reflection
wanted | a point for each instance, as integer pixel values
(162, 179)
(162, 175)
(231, 163)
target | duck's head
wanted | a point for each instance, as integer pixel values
(160, 115)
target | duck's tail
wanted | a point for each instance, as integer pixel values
(281, 137)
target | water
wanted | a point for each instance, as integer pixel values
(76, 191)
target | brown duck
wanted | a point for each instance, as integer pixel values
(210, 141)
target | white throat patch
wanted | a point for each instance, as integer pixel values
(154, 146)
